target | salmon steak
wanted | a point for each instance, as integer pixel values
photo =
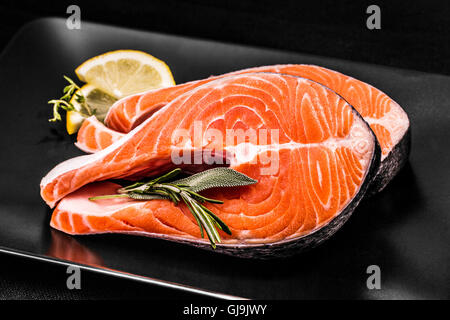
(311, 152)
(386, 118)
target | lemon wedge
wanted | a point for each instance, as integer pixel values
(73, 121)
(125, 72)
(97, 102)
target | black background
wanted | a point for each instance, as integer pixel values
(414, 35)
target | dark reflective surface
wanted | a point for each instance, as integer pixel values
(404, 229)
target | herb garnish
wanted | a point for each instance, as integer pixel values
(187, 190)
(64, 102)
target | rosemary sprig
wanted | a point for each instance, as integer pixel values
(186, 191)
(64, 102)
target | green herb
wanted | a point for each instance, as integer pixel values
(186, 190)
(64, 102)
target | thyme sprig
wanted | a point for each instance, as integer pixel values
(186, 191)
(72, 89)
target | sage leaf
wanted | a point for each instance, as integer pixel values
(220, 177)
(143, 196)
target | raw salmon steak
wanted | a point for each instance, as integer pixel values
(386, 118)
(312, 154)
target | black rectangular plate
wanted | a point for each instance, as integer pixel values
(404, 230)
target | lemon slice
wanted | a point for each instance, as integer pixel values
(73, 121)
(97, 103)
(125, 72)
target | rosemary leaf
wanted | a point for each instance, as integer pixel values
(221, 224)
(110, 196)
(202, 198)
(170, 175)
(195, 216)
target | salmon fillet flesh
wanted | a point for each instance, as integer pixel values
(313, 167)
(94, 136)
(385, 117)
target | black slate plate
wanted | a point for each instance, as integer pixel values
(404, 230)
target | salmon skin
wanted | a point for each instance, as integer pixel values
(386, 118)
(323, 156)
